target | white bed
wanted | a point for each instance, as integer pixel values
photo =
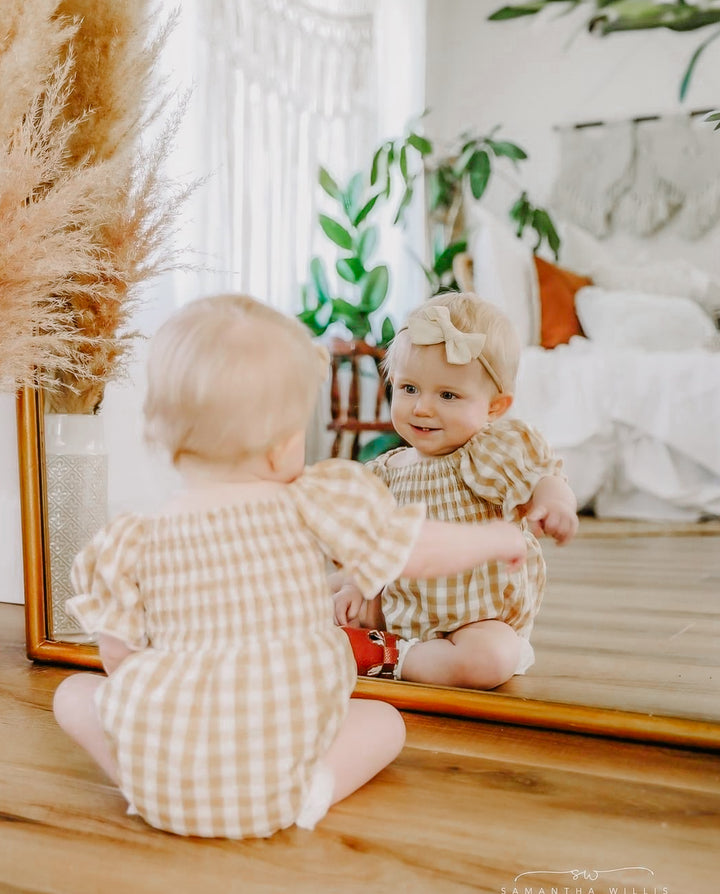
(634, 409)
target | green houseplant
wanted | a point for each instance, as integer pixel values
(389, 185)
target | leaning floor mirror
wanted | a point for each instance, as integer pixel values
(626, 641)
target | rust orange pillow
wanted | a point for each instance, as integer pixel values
(557, 287)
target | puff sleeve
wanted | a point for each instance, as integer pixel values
(104, 577)
(504, 463)
(357, 522)
(379, 465)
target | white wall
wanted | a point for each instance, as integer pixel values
(530, 74)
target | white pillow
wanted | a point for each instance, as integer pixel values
(672, 277)
(583, 253)
(628, 319)
(504, 272)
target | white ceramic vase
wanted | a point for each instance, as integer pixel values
(77, 474)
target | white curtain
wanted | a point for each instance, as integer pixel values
(280, 87)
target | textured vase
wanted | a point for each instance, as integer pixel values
(77, 474)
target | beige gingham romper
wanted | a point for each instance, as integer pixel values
(489, 477)
(241, 680)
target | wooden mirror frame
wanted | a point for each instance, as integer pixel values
(489, 706)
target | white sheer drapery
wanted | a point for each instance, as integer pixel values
(280, 88)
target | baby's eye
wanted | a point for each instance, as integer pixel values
(448, 395)
(408, 389)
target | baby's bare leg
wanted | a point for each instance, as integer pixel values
(75, 712)
(372, 736)
(478, 656)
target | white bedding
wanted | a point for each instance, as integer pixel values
(639, 431)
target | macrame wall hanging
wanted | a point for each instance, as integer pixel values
(287, 85)
(639, 176)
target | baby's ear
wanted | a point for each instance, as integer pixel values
(323, 360)
(499, 405)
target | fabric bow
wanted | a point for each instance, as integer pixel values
(433, 325)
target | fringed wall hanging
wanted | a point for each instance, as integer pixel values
(639, 176)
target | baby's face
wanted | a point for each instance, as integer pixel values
(438, 406)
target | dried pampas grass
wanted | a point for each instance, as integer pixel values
(86, 213)
(31, 40)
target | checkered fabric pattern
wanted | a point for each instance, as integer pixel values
(488, 478)
(241, 680)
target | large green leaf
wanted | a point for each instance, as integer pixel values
(379, 164)
(404, 163)
(479, 173)
(514, 12)
(521, 214)
(444, 261)
(320, 280)
(354, 317)
(352, 195)
(423, 146)
(350, 269)
(507, 149)
(307, 317)
(329, 185)
(387, 331)
(404, 202)
(374, 289)
(365, 210)
(367, 243)
(685, 83)
(545, 229)
(334, 231)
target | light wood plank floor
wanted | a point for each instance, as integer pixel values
(631, 623)
(466, 807)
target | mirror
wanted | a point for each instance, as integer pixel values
(610, 640)
(657, 677)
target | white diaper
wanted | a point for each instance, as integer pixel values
(527, 656)
(318, 798)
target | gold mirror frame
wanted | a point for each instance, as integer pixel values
(40, 645)
(488, 706)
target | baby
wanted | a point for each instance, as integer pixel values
(453, 368)
(226, 711)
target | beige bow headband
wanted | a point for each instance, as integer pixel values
(433, 326)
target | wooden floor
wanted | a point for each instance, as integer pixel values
(466, 807)
(631, 623)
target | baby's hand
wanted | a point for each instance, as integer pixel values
(348, 602)
(554, 518)
(510, 546)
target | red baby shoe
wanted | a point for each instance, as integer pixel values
(375, 651)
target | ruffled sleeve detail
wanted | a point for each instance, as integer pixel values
(504, 463)
(357, 521)
(104, 577)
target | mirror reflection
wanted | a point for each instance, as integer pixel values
(617, 368)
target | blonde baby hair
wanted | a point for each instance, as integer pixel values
(228, 378)
(471, 314)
